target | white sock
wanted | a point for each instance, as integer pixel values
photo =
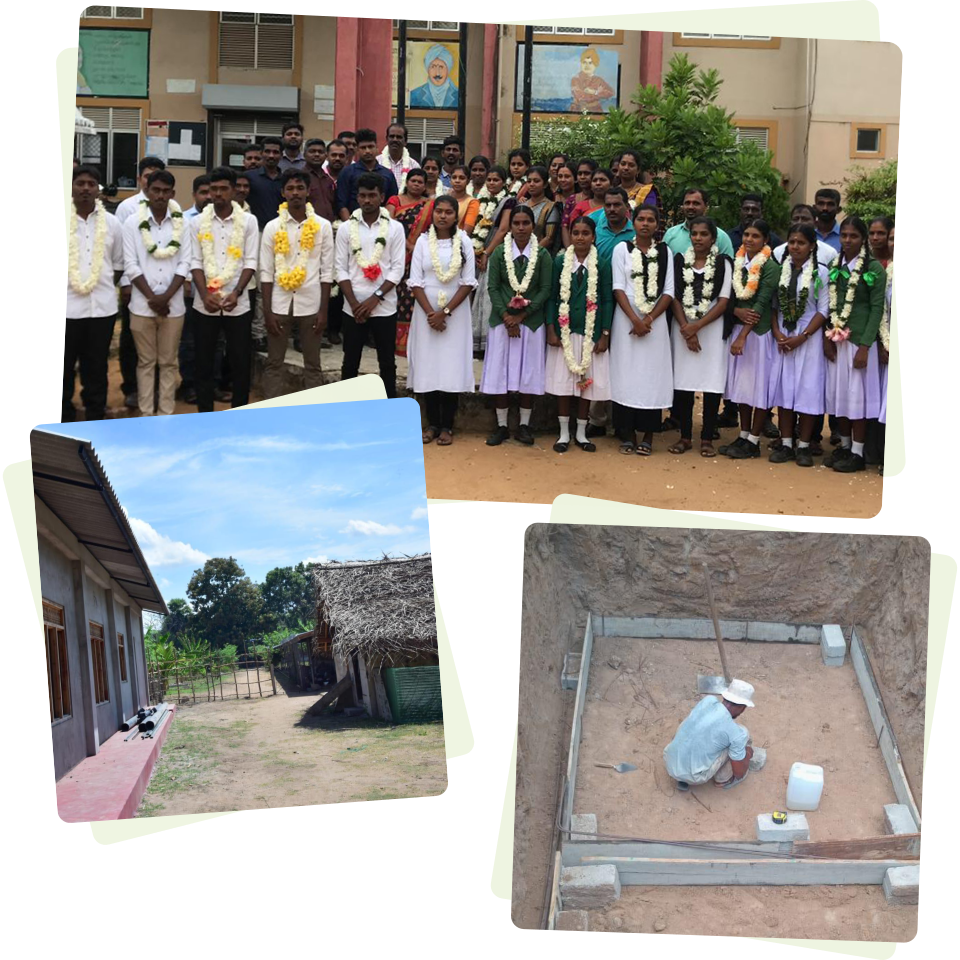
(858, 448)
(788, 441)
(752, 439)
(582, 431)
(845, 442)
(502, 416)
(744, 434)
(564, 430)
(525, 417)
(801, 444)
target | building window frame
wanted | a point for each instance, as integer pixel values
(856, 153)
(98, 656)
(58, 662)
(122, 656)
(146, 20)
(295, 22)
(771, 126)
(736, 42)
(581, 39)
(106, 167)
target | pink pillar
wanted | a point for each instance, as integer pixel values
(491, 47)
(651, 57)
(363, 74)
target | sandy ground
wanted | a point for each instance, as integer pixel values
(804, 712)
(470, 470)
(262, 753)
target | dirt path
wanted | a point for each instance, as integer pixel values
(256, 754)
(470, 470)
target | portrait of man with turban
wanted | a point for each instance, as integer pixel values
(439, 92)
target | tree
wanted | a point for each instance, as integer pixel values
(227, 605)
(287, 594)
(178, 623)
(871, 193)
(685, 139)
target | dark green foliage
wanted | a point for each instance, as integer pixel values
(227, 604)
(288, 596)
(871, 193)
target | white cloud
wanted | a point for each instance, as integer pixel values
(319, 559)
(159, 550)
(418, 513)
(371, 527)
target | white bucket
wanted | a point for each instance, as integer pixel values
(805, 787)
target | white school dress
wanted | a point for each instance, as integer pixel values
(641, 368)
(706, 371)
(885, 367)
(441, 360)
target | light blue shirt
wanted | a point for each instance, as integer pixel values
(833, 237)
(677, 238)
(701, 738)
(606, 238)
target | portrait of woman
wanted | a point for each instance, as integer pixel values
(439, 91)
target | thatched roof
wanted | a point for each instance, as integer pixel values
(380, 609)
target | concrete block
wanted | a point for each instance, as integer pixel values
(589, 888)
(796, 827)
(901, 885)
(898, 819)
(572, 920)
(571, 671)
(833, 647)
(583, 826)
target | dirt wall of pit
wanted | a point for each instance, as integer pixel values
(881, 583)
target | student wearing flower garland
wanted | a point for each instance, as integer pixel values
(370, 259)
(883, 349)
(488, 233)
(95, 266)
(520, 278)
(296, 274)
(641, 366)
(518, 163)
(469, 207)
(857, 289)
(703, 281)
(156, 257)
(224, 249)
(442, 276)
(801, 311)
(578, 332)
(754, 362)
(479, 166)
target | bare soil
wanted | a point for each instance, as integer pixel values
(264, 753)
(804, 712)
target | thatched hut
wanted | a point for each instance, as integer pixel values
(379, 617)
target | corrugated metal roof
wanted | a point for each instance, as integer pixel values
(69, 478)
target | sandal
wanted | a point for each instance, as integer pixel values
(430, 434)
(445, 438)
(681, 446)
(644, 449)
(628, 446)
(706, 449)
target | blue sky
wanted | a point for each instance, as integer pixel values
(271, 487)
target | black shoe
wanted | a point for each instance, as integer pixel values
(782, 455)
(880, 470)
(748, 451)
(716, 434)
(260, 345)
(838, 456)
(595, 431)
(335, 338)
(132, 401)
(834, 439)
(669, 424)
(190, 396)
(729, 418)
(804, 457)
(851, 464)
(588, 447)
(222, 396)
(770, 430)
(498, 436)
(524, 434)
(683, 787)
(816, 448)
(560, 447)
(724, 451)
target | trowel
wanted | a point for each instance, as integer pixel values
(714, 684)
(619, 767)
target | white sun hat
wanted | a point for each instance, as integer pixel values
(739, 691)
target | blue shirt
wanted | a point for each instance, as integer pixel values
(606, 238)
(707, 732)
(677, 238)
(832, 237)
(347, 184)
(266, 195)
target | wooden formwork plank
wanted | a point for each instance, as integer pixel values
(555, 903)
(575, 853)
(577, 727)
(886, 738)
(904, 846)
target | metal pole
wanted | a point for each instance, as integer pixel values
(462, 88)
(716, 623)
(402, 72)
(527, 86)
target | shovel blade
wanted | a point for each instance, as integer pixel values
(624, 767)
(710, 684)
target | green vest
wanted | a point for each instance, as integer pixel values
(867, 309)
(762, 300)
(501, 293)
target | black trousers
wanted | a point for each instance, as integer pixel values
(627, 421)
(335, 314)
(683, 411)
(441, 409)
(384, 330)
(187, 352)
(128, 354)
(89, 342)
(236, 331)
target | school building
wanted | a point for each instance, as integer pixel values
(195, 86)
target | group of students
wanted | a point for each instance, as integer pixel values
(561, 278)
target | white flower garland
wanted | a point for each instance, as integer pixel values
(456, 261)
(803, 290)
(514, 186)
(81, 286)
(887, 307)
(696, 311)
(292, 278)
(173, 247)
(837, 329)
(645, 300)
(586, 349)
(488, 204)
(748, 290)
(520, 287)
(234, 252)
(371, 266)
(406, 165)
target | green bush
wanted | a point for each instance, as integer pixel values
(871, 193)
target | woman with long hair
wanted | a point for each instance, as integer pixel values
(441, 355)
(600, 183)
(479, 167)
(583, 171)
(552, 167)
(488, 233)
(431, 167)
(469, 206)
(566, 193)
(879, 235)
(546, 213)
(518, 163)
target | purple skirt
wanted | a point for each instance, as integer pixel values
(850, 393)
(803, 375)
(874, 383)
(752, 377)
(884, 367)
(514, 364)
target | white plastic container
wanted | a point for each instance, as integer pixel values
(805, 787)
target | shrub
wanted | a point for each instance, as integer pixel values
(871, 193)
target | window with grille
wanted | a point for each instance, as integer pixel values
(868, 140)
(425, 135)
(115, 148)
(98, 650)
(256, 41)
(234, 132)
(758, 135)
(575, 31)
(445, 25)
(723, 36)
(112, 13)
(122, 656)
(58, 671)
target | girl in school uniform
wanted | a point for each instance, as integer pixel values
(754, 361)
(641, 366)
(857, 290)
(494, 205)
(442, 277)
(519, 279)
(702, 278)
(578, 332)
(883, 349)
(802, 307)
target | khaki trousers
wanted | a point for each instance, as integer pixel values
(157, 340)
(277, 351)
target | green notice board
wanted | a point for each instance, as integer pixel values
(113, 63)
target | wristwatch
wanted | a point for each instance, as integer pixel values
(446, 311)
(379, 294)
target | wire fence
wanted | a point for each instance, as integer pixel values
(185, 678)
